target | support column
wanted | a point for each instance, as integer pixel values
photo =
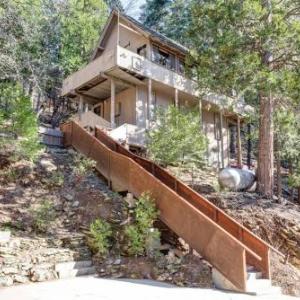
(86, 107)
(249, 146)
(176, 98)
(80, 107)
(239, 143)
(200, 115)
(222, 139)
(112, 102)
(149, 103)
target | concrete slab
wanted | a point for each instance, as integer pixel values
(92, 288)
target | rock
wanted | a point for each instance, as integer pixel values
(47, 165)
(42, 274)
(236, 179)
(117, 261)
(6, 281)
(130, 200)
(9, 270)
(68, 196)
(4, 236)
(75, 203)
(20, 279)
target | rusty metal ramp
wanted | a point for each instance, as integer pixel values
(224, 243)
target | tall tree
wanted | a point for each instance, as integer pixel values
(81, 24)
(154, 13)
(42, 41)
(115, 4)
(178, 21)
(249, 46)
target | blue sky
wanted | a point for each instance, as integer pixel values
(132, 7)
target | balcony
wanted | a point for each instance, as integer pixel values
(140, 65)
(112, 62)
(130, 67)
(89, 74)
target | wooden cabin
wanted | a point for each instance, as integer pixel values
(132, 71)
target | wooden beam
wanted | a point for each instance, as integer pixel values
(148, 104)
(80, 107)
(130, 29)
(239, 144)
(90, 99)
(222, 139)
(112, 102)
(176, 98)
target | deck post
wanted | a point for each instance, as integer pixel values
(239, 143)
(80, 107)
(112, 102)
(149, 104)
(222, 139)
(176, 98)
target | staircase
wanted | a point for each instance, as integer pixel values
(74, 269)
(224, 243)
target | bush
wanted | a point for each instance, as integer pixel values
(177, 137)
(43, 216)
(9, 174)
(18, 122)
(55, 179)
(83, 165)
(101, 234)
(141, 236)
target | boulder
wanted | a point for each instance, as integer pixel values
(48, 165)
(236, 179)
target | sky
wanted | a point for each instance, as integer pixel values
(132, 7)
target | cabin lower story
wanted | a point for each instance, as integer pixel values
(133, 108)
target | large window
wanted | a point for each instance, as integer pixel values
(181, 66)
(163, 58)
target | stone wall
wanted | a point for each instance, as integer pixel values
(34, 259)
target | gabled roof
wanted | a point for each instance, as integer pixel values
(149, 33)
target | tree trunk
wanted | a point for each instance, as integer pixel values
(265, 146)
(291, 172)
(278, 168)
(239, 144)
(249, 146)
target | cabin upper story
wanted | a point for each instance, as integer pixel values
(126, 45)
(131, 53)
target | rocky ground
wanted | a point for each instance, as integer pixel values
(275, 221)
(31, 244)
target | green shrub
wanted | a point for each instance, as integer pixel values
(141, 236)
(18, 122)
(55, 179)
(177, 138)
(101, 234)
(9, 174)
(43, 216)
(83, 165)
(135, 240)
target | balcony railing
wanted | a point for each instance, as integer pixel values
(89, 72)
(143, 66)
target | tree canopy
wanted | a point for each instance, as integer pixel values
(249, 48)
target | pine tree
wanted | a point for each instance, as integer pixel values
(154, 13)
(115, 4)
(252, 47)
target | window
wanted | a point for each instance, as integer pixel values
(163, 58)
(181, 66)
(119, 109)
(142, 50)
(99, 110)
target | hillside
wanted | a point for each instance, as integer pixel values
(48, 209)
(277, 222)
